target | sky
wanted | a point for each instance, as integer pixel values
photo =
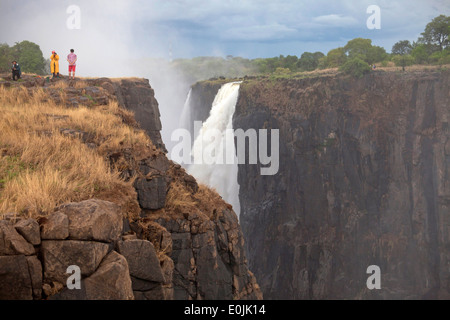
(188, 28)
(111, 37)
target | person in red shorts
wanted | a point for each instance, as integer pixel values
(72, 59)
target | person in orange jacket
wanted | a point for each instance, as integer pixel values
(54, 64)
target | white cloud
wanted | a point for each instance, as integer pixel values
(195, 27)
(258, 32)
(335, 20)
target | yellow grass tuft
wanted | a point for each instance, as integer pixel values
(179, 199)
(60, 85)
(80, 84)
(209, 200)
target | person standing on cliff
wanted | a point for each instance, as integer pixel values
(54, 64)
(72, 60)
(16, 73)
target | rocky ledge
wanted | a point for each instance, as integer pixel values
(178, 245)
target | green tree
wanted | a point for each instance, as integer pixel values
(403, 60)
(336, 57)
(440, 57)
(290, 62)
(29, 56)
(282, 71)
(5, 58)
(355, 67)
(364, 50)
(358, 47)
(402, 47)
(323, 63)
(318, 55)
(376, 54)
(420, 54)
(437, 32)
(261, 65)
(307, 62)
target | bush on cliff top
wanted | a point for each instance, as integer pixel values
(355, 67)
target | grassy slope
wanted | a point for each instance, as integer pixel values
(40, 167)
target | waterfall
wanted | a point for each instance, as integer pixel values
(217, 134)
(185, 118)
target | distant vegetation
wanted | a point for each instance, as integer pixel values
(431, 48)
(354, 58)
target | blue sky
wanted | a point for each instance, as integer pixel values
(247, 28)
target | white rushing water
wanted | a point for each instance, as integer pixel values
(219, 175)
(185, 118)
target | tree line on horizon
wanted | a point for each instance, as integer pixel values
(354, 58)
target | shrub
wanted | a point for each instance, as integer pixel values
(355, 67)
(282, 71)
(403, 60)
(440, 57)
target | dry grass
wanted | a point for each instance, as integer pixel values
(80, 84)
(60, 85)
(41, 168)
(179, 199)
(209, 200)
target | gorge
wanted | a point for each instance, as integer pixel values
(363, 180)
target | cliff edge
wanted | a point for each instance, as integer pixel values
(363, 180)
(160, 235)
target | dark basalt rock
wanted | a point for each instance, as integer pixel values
(364, 166)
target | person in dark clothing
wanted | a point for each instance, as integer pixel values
(16, 73)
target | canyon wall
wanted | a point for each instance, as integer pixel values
(363, 180)
(169, 238)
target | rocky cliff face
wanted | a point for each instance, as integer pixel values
(363, 180)
(176, 240)
(137, 96)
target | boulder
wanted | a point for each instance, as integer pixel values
(143, 285)
(154, 164)
(54, 227)
(156, 293)
(94, 220)
(11, 242)
(151, 192)
(111, 281)
(29, 229)
(35, 271)
(142, 259)
(15, 282)
(57, 256)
